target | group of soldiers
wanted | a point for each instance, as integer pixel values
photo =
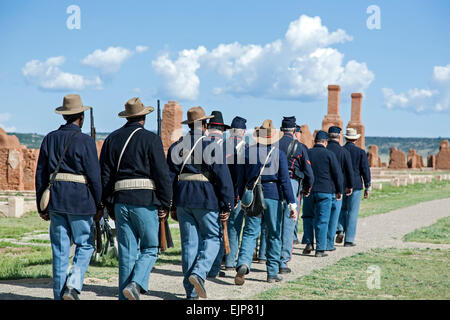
(203, 183)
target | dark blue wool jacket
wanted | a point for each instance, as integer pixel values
(236, 163)
(345, 162)
(275, 178)
(360, 166)
(143, 158)
(215, 195)
(80, 158)
(327, 172)
(299, 159)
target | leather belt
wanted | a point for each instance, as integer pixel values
(134, 184)
(70, 177)
(192, 177)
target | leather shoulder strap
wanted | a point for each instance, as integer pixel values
(125, 146)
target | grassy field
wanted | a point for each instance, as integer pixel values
(404, 274)
(28, 262)
(438, 232)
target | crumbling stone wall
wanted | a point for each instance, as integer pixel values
(443, 157)
(373, 157)
(355, 119)
(171, 128)
(17, 164)
(332, 118)
(397, 159)
(414, 159)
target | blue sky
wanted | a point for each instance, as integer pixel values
(256, 59)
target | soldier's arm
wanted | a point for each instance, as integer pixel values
(107, 170)
(42, 174)
(348, 168)
(92, 169)
(160, 172)
(365, 170)
(283, 178)
(308, 181)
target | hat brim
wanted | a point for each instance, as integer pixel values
(352, 137)
(62, 110)
(270, 140)
(199, 119)
(145, 111)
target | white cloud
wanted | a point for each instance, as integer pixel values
(300, 66)
(436, 98)
(48, 76)
(109, 61)
(5, 117)
(140, 49)
(180, 79)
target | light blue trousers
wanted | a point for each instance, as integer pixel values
(349, 215)
(137, 237)
(63, 228)
(200, 243)
(334, 218)
(273, 216)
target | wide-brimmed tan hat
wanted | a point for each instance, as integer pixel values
(135, 108)
(351, 134)
(71, 105)
(267, 134)
(196, 114)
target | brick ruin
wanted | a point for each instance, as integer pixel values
(171, 128)
(373, 157)
(355, 119)
(443, 157)
(17, 164)
(332, 118)
(415, 160)
(397, 159)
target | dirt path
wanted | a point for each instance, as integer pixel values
(378, 231)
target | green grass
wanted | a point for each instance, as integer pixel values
(391, 198)
(24, 262)
(16, 228)
(404, 274)
(438, 232)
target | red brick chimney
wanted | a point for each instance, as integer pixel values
(355, 119)
(333, 118)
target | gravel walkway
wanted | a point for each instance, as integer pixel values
(378, 231)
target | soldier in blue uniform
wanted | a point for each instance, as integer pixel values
(350, 206)
(136, 182)
(203, 197)
(216, 128)
(277, 188)
(302, 179)
(236, 149)
(75, 196)
(317, 206)
(345, 162)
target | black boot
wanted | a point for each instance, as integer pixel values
(309, 247)
(131, 291)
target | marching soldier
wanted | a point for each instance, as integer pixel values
(317, 206)
(301, 177)
(203, 197)
(68, 169)
(350, 205)
(216, 128)
(345, 163)
(271, 168)
(237, 149)
(136, 181)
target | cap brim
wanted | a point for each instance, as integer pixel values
(64, 111)
(200, 119)
(146, 110)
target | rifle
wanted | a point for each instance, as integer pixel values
(226, 242)
(98, 232)
(165, 237)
